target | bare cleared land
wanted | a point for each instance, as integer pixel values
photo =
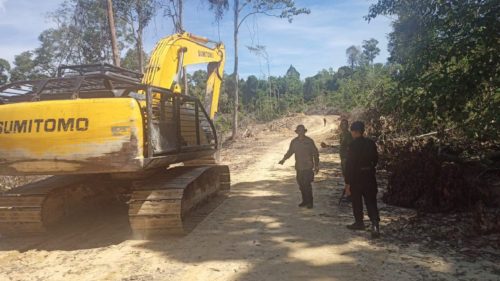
(257, 233)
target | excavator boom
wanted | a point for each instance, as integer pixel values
(175, 52)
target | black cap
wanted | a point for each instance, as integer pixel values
(358, 126)
(300, 128)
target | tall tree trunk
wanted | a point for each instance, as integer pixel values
(140, 32)
(112, 29)
(179, 3)
(235, 73)
(140, 48)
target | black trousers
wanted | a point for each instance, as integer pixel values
(342, 165)
(304, 179)
(365, 192)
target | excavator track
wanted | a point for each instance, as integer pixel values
(161, 205)
(35, 207)
(158, 204)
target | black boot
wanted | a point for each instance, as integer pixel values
(356, 226)
(303, 204)
(375, 230)
(310, 204)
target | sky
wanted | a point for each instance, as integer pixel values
(310, 43)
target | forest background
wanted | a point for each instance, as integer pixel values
(442, 72)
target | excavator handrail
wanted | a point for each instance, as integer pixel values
(83, 69)
(72, 86)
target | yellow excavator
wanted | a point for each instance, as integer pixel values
(102, 130)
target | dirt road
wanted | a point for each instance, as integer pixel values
(257, 233)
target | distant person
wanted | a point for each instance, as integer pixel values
(360, 179)
(306, 164)
(324, 121)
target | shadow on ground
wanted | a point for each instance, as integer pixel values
(260, 225)
(99, 228)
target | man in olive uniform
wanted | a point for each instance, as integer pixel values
(360, 178)
(345, 140)
(306, 163)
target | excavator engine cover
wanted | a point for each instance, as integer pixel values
(71, 137)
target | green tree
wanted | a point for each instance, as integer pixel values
(292, 72)
(353, 54)
(84, 29)
(370, 50)
(292, 92)
(53, 51)
(81, 36)
(4, 71)
(225, 96)
(360, 89)
(130, 61)
(319, 84)
(137, 14)
(448, 63)
(343, 72)
(249, 93)
(198, 84)
(24, 67)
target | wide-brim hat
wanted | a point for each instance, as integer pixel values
(300, 128)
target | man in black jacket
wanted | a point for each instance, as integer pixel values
(306, 163)
(360, 178)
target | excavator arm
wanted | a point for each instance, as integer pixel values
(174, 52)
